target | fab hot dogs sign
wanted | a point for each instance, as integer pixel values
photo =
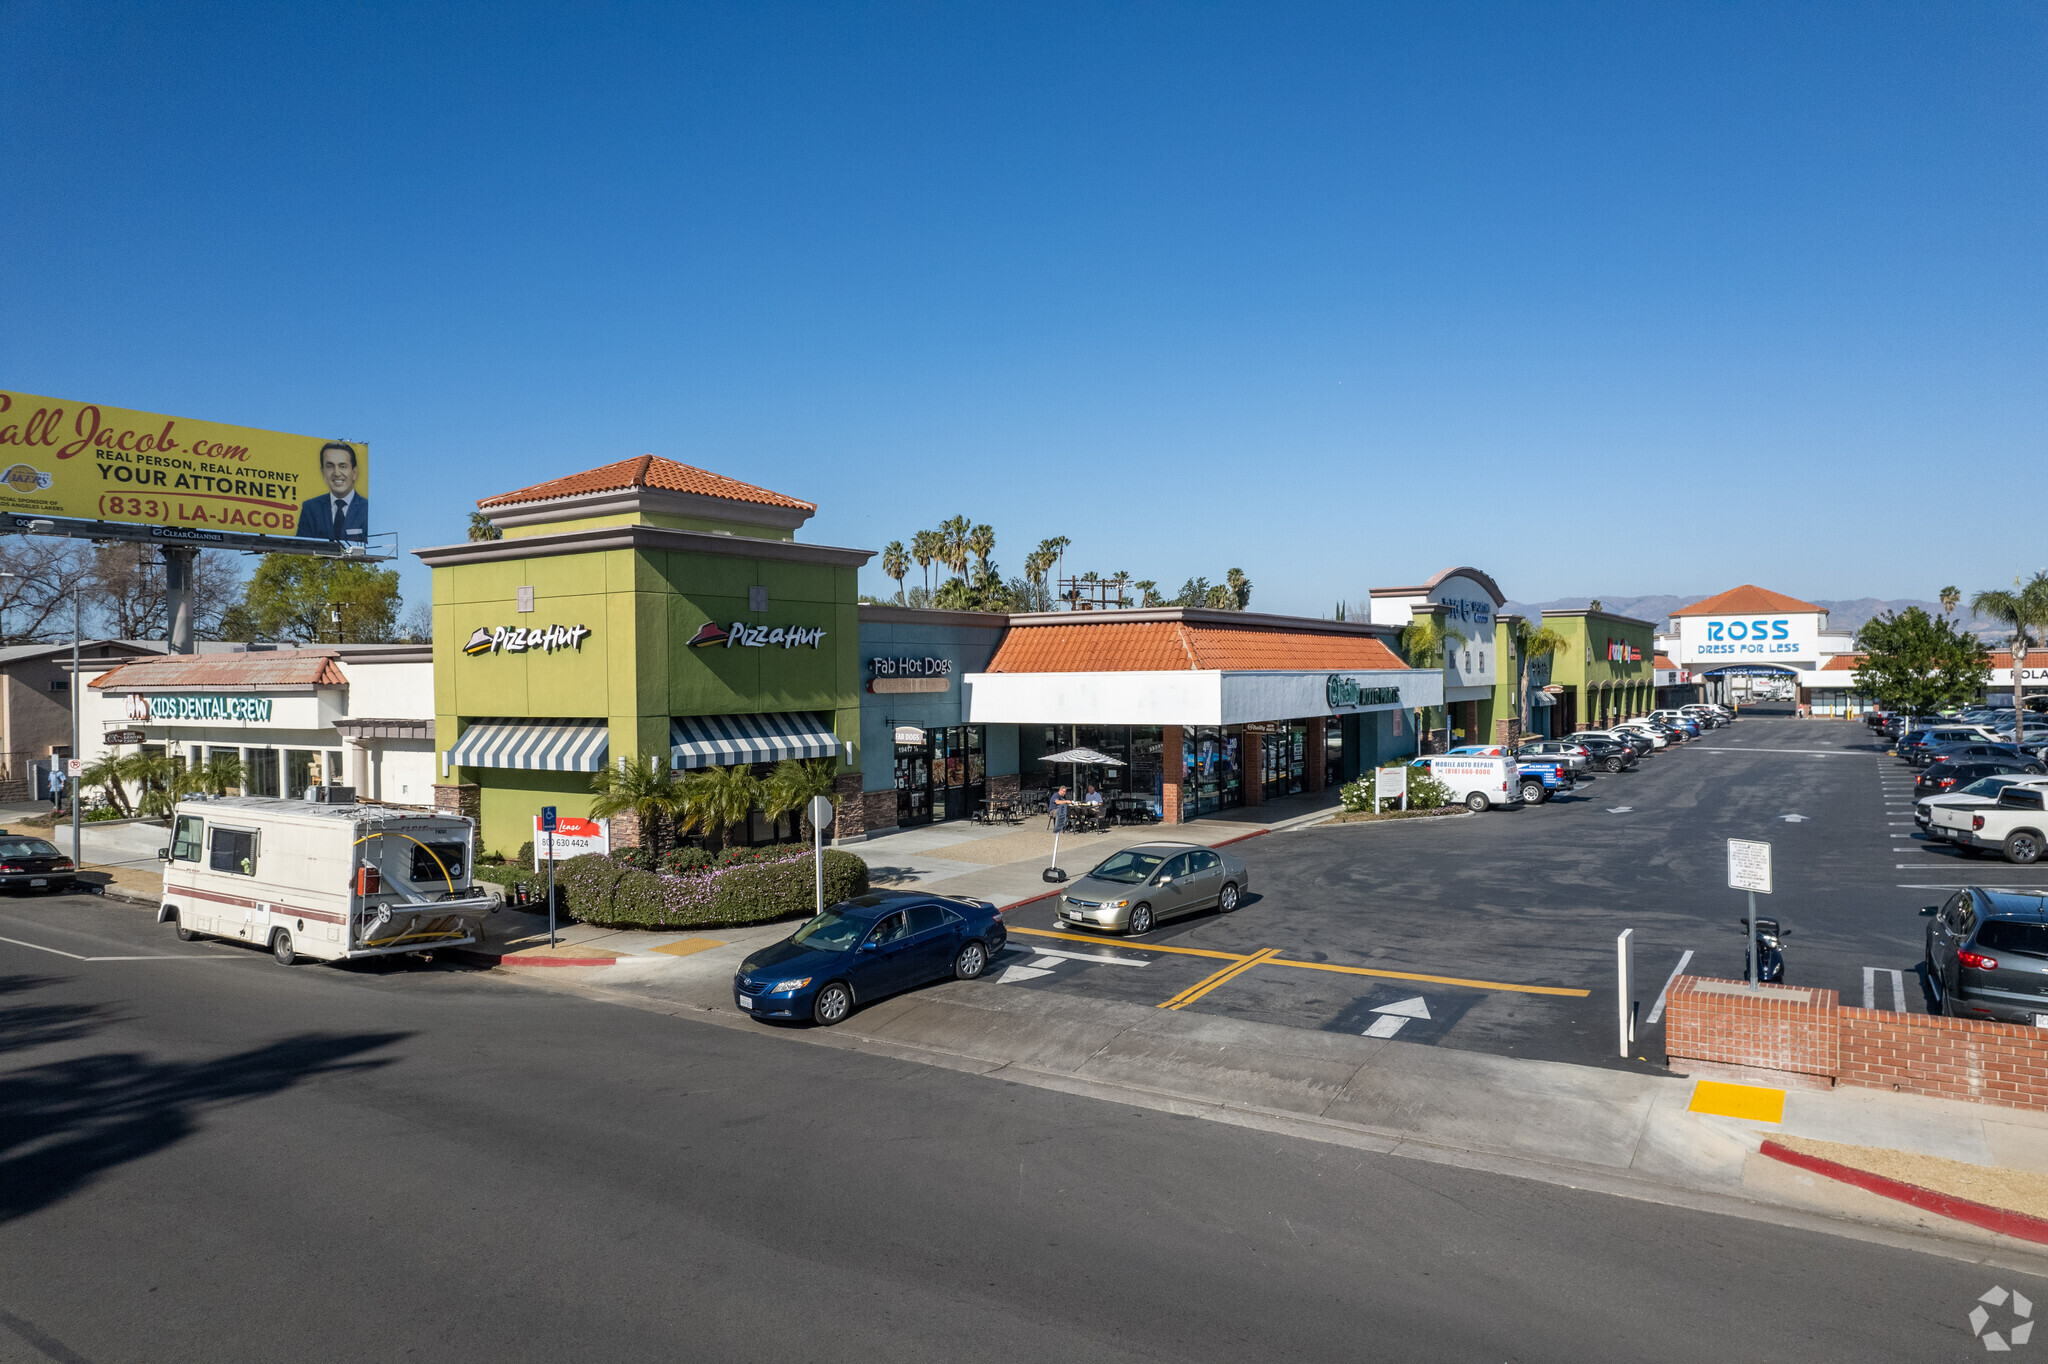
(88, 461)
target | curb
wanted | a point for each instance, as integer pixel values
(491, 960)
(2003, 1221)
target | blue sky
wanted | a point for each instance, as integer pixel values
(1603, 299)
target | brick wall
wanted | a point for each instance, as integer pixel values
(1949, 1058)
(1173, 777)
(1776, 1028)
(1722, 1023)
(849, 808)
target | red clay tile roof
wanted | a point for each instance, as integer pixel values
(1846, 663)
(1738, 601)
(1665, 663)
(269, 668)
(1175, 646)
(647, 471)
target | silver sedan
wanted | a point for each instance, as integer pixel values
(1138, 887)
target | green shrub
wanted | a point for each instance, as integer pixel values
(1425, 792)
(603, 890)
(524, 857)
(681, 861)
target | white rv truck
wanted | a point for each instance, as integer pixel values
(324, 878)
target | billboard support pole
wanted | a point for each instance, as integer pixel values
(178, 560)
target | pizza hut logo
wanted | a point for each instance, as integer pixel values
(708, 634)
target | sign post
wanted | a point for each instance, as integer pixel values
(547, 824)
(1625, 974)
(821, 815)
(1389, 783)
(1749, 868)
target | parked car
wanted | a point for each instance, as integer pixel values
(862, 949)
(1710, 714)
(1915, 746)
(2016, 827)
(1940, 753)
(28, 863)
(1692, 724)
(1977, 794)
(1658, 737)
(1537, 780)
(1479, 782)
(1987, 955)
(1636, 742)
(1610, 754)
(1954, 773)
(1133, 889)
(1572, 752)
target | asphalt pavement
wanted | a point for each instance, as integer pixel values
(1497, 932)
(211, 1157)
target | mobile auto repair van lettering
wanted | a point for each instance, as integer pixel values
(1479, 783)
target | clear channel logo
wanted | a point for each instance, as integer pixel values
(2009, 1325)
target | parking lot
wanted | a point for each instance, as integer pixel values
(1496, 932)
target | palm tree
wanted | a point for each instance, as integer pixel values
(896, 564)
(1950, 596)
(792, 786)
(981, 542)
(1531, 642)
(159, 775)
(924, 547)
(106, 774)
(715, 799)
(215, 777)
(1240, 589)
(1055, 552)
(480, 528)
(2026, 611)
(644, 788)
(953, 533)
(1148, 592)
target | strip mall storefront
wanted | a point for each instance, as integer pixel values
(643, 612)
(1205, 710)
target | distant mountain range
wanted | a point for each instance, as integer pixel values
(1847, 616)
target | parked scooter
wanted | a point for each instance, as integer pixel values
(1768, 953)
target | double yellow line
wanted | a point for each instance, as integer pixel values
(1226, 975)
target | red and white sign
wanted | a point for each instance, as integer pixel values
(573, 838)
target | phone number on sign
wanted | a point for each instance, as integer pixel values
(177, 512)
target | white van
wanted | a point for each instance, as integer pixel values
(1480, 782)
(323, 878)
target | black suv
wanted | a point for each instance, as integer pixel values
(1953, 774)
(1987, 955)
(1608, 754)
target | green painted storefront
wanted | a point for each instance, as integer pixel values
(642, 555)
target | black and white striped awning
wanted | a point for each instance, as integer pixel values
(723, 740)
(536, 745)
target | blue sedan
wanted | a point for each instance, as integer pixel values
(865, 948)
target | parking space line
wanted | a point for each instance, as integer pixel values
(1431, 980)
(1135, 946)
(1083, 956)
(1870, 975)
(58, 951)
(1227, 974)
(1657, 1009)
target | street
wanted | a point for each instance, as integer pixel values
(212, 1157)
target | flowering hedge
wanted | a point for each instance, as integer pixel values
(601, 890)
(1425, 792)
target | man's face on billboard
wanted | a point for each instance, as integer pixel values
(339, 469)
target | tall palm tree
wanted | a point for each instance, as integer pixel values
(1055, 550)
(896, 564)
(792, 786)
(716, 799)
(1950, 597)
(644, 788)
(1148, 592)
(953, 533)
(1531, 642)
(480, 528)
(924, 547)
(1240, 588)
(2026, 610)
(981, 542)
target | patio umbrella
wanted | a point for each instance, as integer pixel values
(1076, 757)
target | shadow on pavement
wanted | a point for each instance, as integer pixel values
(62, 1124)
(23, 1026)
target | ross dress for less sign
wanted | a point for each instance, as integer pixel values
(573, 838)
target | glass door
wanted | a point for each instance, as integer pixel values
(913, 784)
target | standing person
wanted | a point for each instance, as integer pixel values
(1059, 810)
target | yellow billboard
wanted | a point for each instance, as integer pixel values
(86, 461)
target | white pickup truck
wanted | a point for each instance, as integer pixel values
(2016, 827)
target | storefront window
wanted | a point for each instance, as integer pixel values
(301, 770)
(259, 771)
(1212, 761)
(945, 777)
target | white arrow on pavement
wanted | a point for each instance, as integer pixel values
(1011, 975)
(1386, 1027)
(1793, 819)
(1406, 1008)
(1619, 809)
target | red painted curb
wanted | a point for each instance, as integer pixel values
(2000, 1220)
(498, 959)
(1256, 833)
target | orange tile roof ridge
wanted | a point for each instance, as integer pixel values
(1187, 646)
(1748, 597)
(647, 471)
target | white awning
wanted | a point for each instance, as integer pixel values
(535, 745)
(723, 740)
(1544, 699)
